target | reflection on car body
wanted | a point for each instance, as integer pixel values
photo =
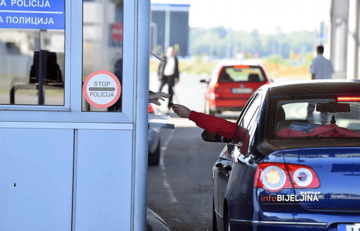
(231, 85)
(154, 144)
(291, 170)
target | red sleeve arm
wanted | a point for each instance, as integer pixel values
(214, 124)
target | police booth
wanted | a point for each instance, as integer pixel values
(73, 114)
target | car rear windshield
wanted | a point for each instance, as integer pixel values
(314, 117)
(241, 73)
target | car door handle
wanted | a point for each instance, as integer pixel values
(228, 168)
(219, 164)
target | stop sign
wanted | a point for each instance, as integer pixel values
(117, 31)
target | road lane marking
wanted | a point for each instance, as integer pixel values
(162, 167)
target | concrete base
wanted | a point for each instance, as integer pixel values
(155, 222)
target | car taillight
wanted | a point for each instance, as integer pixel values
(276, 176)
(348, 99)
(303, 176)
(267, 82)
(215, 94)
(150, 109)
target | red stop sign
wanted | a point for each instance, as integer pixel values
(117, 31)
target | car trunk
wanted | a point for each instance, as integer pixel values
(338, 170)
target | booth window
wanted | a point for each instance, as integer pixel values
(32, 60)
(102, 55)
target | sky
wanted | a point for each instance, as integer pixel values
(266, 16)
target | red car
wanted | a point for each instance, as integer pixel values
(231, 86)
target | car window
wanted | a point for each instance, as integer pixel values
(315, 117)
(241, 73)
(245, 121)
(32, 54)
(240, 120)
(102, 63)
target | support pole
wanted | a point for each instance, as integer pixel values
(141, 115)
(353, 40)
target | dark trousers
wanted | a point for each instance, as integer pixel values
(170, 81)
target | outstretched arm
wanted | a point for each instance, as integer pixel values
(210, 123)
(181, 111)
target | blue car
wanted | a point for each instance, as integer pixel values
(296, 164)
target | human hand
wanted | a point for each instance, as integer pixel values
(155, 97)
(181, 110)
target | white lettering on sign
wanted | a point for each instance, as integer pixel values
(32, 14)
(102, 89)
(102, 94)
(102, 83)
(29, 20)
(29, 3)
(117, 31)
(1, 20)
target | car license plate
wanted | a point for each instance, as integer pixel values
(242, 90)
(352, 227)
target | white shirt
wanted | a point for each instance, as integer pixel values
(170, 66)
(321, 67)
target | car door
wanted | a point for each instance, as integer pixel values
(224, 164)
(241, 180)
(223, 170)
(222, 159)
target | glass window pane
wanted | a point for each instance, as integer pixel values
(32, 64)
(315, 117)
(241, 74)
(250, 113)
(102, 55)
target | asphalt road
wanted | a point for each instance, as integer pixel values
(180, 188)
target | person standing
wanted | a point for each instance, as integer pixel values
(168, 72)
(321, 68)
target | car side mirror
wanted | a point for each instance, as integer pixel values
(212, 137)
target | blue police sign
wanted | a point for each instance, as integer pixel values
(32, 14)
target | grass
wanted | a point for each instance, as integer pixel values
(196, 68)
(274, 70)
